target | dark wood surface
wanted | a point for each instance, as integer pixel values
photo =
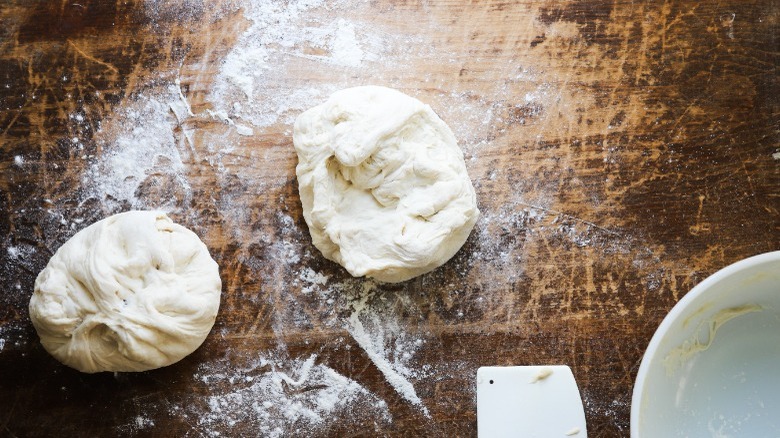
(621, 152)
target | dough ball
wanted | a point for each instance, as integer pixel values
(383, 184)
(132, 292)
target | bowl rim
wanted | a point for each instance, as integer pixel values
(675, 314)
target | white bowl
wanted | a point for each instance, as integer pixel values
(712, 368)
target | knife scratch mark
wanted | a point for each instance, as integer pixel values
(572, 217)
(92, 58)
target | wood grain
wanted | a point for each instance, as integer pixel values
(621, 152)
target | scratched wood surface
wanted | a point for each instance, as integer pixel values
(628, 155)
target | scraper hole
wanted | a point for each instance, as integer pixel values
(491, 382)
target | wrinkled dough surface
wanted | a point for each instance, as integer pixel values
(383, 183)
(131, 292)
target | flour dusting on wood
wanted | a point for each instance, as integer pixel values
(142, 155)
(280, 396)
(249, 86)
(372, 341)
(152, 154)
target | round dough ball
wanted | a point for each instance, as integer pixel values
(383, 183)
(132, 292)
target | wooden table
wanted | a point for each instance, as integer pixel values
(621, 152)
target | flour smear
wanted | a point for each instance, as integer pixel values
(249, 86)
(276, 397)
(368, 330)
(140, 143)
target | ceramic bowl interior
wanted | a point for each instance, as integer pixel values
(712, 369)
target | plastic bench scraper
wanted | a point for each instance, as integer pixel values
(529, 402)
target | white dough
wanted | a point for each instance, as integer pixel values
(132, 292)
(383, 184)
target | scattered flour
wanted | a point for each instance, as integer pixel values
(373, 340)
(248, 87)
(312, 280)
(21, 254)
(13, 252)
(282, 397)
(143, 422)
(140, 143)
(134, 425)
(375, 327)
(13, 335)
(244, 130)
